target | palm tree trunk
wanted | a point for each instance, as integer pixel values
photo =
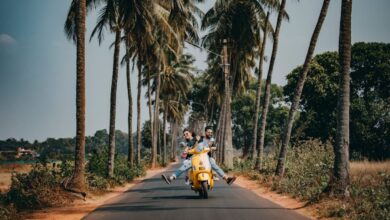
(114, 82)
(139, 113)
(156, 120)
(150, 102)
(341, 180)
(130, 158)
(298, 90)
(78, 181)
(210, 121)
(267, 95)
(258, 93)
(173, 140)
(164, 154)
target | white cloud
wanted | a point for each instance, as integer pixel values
(6, 39)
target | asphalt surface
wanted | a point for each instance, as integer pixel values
(153, 199)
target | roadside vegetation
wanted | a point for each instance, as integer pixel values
(43, 186)
(307, 174)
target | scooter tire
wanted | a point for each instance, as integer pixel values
(200, 194)
(204, 190)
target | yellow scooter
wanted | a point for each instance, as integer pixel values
(201, 176)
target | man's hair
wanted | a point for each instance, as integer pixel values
(208, 127)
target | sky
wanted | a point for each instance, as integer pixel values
(38, 63)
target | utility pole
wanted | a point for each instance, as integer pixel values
(227, 157)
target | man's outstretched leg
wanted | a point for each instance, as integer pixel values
(219, 171)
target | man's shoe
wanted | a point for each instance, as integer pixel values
(187, 180)
(167, 180)
(230, 180)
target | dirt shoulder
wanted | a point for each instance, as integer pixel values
(282, 200)
(79, 209)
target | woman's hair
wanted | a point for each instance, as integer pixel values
(193, 134)
(186, 129)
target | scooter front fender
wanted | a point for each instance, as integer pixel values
(203, 177)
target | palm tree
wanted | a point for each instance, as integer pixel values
(238, 22)
(259, 79)
(267, 94)
(340, 181)
(168, 46)
(175, 82)
(298, 90)
(130, 158)
(109, 16)
(146, 21)
(148, 78)
(177, 108)
(138, 23)
(75, 29)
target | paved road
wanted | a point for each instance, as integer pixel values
(153, 199)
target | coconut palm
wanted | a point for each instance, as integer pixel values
(238, 22)
(266, 26)
(75, 30)
(341, 180)
(130, 157)
(138, 25)
(168, 47)
(177, 120)
(175, 82)
(111, 18)
(267, 95)
(298, 90)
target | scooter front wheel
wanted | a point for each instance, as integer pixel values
(204, 192)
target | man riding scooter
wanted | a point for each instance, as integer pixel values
(208, 141)
(193, 142)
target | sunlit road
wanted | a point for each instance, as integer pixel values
(153, 199)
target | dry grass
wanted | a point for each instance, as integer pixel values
(307, 174)
(368, 174)
(6, 173)
(368, 167)
(8, 168)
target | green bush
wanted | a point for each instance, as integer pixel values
(8, 213)
(307, 170)
(41, 187)
(370, 199)
(66, 168)
(37, 189)
(97, 171)
(146, 156)
(242, 165)
(96, 182)
(98, 163)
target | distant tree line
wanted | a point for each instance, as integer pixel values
(63, 148)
